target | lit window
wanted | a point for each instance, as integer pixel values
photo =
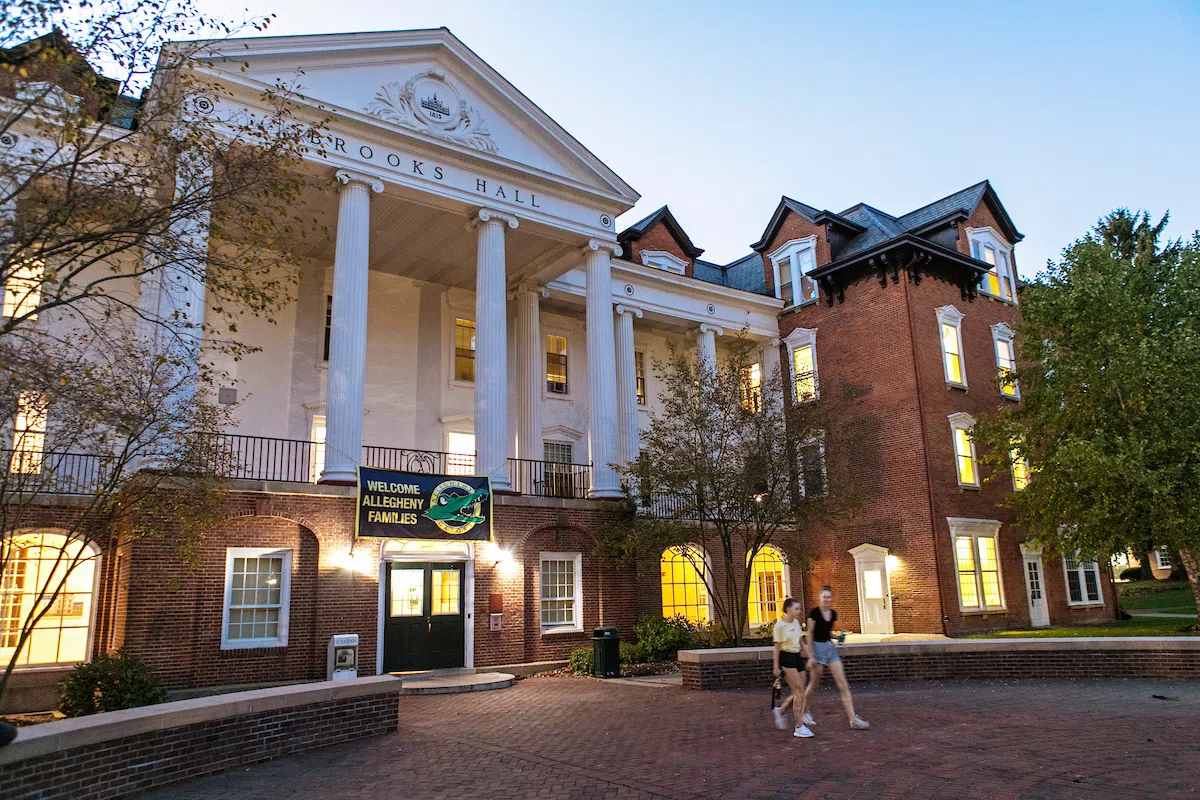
(977, 561)
(684, 588)
(561, 579)
(464, 350)
(999, 281)
(460, 455)
(768, 586)
(950, 326)
(793, 264)
(257, 586)
(1162, 558)
(964, 449)
(560, 476)
(802, 344)
(446, 599)
(328, 325)
(1083, 581)
(1006, 361)
(752, 387)
(813, 476)
(639, 362)
(664, 261)
(317, 439)
(23, 289)
(784, 266)
(556, 364)
(51, 572)
(1020, 470)
(29, 434)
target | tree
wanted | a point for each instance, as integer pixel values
(1110, 389)
(138, 214)
(732, 466)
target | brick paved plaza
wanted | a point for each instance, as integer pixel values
(576, 738)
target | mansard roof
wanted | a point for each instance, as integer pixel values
(809, 213)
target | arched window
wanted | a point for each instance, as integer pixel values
(768, 586)
(684, 591)
(47, 571)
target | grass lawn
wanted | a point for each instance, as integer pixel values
(1138, 626)
(1173, 596)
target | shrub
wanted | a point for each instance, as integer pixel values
(633, 653)
(109, 683)
(582, 661)
(661, 638)
(1131, 574)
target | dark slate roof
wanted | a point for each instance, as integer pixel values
(635, 231)
(964, 200)
(745, 274)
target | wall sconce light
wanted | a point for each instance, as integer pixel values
(502, 559)
(353, 562)
(892, 562)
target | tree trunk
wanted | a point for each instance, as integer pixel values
(1191, 563)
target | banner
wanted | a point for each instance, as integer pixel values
(408, 505)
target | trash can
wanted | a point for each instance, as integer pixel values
(606, 650)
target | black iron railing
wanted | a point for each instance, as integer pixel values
(35, 471)
(423, 461)
(667, 505)
(262, 458)
(549, 478)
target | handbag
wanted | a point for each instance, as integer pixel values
(776, 688)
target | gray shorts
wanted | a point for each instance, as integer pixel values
(825, 653)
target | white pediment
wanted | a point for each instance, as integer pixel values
(429, 84)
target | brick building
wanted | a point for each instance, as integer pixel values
(545, 393)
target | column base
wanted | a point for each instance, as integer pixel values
(339, 476)
(502, 486)
(605, 494)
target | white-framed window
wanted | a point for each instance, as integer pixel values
(954, 366)
(29, 434)
(988, 247)
(1162, 558)
(464, 350)
(792, 266)
(556, 364)
(1083, 581)
(23, 289)
(316, 457)
(684, 571)
(561, 591)
(802, 359)
(460, 453)
(660, 259)
(558, 452)
(768, 585)
(977, 564)
(965, 465)
(639, 366)
(810, 467)
(258, 582)
(1006, 361)
(1020, 469)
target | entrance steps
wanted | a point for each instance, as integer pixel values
(453, 681)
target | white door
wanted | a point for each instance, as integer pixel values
(1035, 587)
(874, 589)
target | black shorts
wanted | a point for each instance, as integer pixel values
(791, 660)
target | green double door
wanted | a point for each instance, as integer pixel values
(424, 616)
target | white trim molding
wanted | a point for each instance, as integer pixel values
(978, 238)
(1001, 333)
(576, 623)
(801, 258)
(952, 317)
(661, 259)
(1080, 569)
(962, 421)
(976, 529)
(798, 338)
(285, 589)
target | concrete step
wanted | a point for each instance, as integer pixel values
(454, 682)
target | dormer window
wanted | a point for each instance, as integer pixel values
(987, 246)
(660, 259)
(792, 266)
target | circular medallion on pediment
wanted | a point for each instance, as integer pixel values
(435, 101)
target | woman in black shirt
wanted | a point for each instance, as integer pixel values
(825, 654)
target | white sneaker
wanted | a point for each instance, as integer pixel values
(780, 722)
(859, 724)
(808, 720)
(802, 732)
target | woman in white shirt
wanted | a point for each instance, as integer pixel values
(789, 660)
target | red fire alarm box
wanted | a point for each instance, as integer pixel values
(496, 611)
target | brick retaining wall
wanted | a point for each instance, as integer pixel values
(122, 752)
(1159, 658)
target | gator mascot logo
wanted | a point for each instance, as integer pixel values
(455, 507)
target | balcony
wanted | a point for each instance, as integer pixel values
(32, 471)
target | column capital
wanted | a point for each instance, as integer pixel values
(485, 215)
(621, 308)
(528, 287)
(346, 177)
(773, 341)
(706, 328)
(596, 245)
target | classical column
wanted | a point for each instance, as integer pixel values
(627, 424)
(769, 362)
(531, 370)
(348, 329)
(602, 378)
(491, 348)
(706, 348)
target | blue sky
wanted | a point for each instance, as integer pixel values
(718, 108)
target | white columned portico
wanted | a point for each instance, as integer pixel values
(602, 378)
(348, 328)
(530, 370)
(627, 424)
(769, 358)
(706, 349)
(491, 348)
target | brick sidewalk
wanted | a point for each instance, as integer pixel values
(574, 738)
